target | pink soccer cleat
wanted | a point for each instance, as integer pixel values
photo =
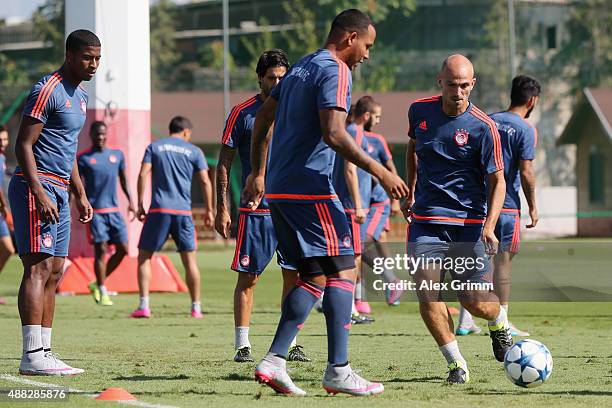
(141, 314)
(363, 307)
(196, 315)
(2, 301)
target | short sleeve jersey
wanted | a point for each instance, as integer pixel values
(300, 163)
(455, 154)
(518, 140)
(100, 170)
(378, 149)
(237, 135)
(174, 161)
(62, 108)
(364, 178)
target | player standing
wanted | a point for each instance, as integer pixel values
(173, 162)
(256, 241)
(100, 167)
(6, 242)
(457, 147)
(309, 108)
(518, 140)
(46, 148)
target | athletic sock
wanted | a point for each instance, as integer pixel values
(196, 307)
(275, 359)
(505, 307)
(293, 342)
(337, 310)
(32, 342)
(241, 337)
(451, 353)
(465, 318)
(389, 276)
(296, 308)
(103, 290)
(45, 334)
(502, 318)
(358, 291)
(144, 302)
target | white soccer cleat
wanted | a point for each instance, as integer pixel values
(276, 378)
(66, 369)
(344, 380)
(42, 366)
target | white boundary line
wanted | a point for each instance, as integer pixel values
(12, 378)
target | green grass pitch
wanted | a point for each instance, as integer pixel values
(175, 360)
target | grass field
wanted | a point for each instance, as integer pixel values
(172, 359)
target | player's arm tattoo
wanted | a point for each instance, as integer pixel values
(261, 136)
(224, 166)
(528, 181)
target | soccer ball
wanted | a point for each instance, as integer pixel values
(528, 363)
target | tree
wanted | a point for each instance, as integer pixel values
(48, 21)
(163, 47)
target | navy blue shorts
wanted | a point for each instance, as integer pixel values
(459, 249)
(377, 219)
(108, 227)
(508, 231)
(311, 229)
(256, 243)
(4, 229)
(158, 226)
(31, 234)
(358, 232)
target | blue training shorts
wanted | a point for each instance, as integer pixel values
(158, 226)
(108, 227)
(377, 219)
(508, 231)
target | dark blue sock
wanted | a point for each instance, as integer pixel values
(337, 304)
(295, 310)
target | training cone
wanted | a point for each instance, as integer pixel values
(115, 394)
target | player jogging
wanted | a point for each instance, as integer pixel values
(256, 241)
(100, 167)
(457, 147)
(309, 108)
(173, 162)
(6, 242)
(518, 140)
(46, 148)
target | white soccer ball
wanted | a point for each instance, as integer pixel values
(528, 363)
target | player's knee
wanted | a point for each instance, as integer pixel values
(121, 249)
(247, 281)
(100, 249)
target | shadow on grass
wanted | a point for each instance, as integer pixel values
(582, 393)
(192, 392)
(238, 377)
(152, 378)
(415, 380)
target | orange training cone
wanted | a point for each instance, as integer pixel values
(116, 394)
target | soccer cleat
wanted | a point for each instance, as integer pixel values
(517, 332)
(66, 369)
(363, 307)
(197, 315)
(344, 380)
(393, 297)
(297, 354)
(319, 305)
(243, 355)
(464, 331)
(501, 339)
(2, 301)
(276, 378)
(458, 373)
(361, 319)
(95, 291)
(105, 300)
(141, 314)
(46, 366)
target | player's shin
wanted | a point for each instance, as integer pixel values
(337, 308)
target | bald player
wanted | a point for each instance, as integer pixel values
(454, 151)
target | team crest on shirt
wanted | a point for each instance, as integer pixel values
(68, 104)
(245, 260)
(370, 149)
(112, 158)
(346, 241)
(93, 160)
(423, 125)
(83, 106)
(47, 241)
(461, 137)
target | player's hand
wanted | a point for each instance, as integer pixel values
(395, 207)
(406, 207)
(533, 214)
(253, 191)
(141, 214)
(46, 207)
(209, 219)
(131, 212)
(394, 185)
(490, 241)
(85, 210)
(360, 215)
(223, 221)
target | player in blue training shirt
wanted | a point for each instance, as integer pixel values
(173, 162)
(6, 242)
(458, 148)
(256, 241)
(308, 108)
(518, 140)
(100, 168)
(46, 148)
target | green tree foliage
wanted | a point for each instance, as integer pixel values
(164, 54)
(48, 21)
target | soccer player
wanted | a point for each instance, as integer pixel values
(100, 167)
(173, 162)
(46, 147)
(256, 241)
(6, 243)
(309, 108)
(457, 147)
(518, 140)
